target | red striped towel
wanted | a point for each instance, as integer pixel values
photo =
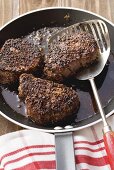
(33, 150)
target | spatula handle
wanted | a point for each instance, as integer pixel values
(98, 102)
(109, 146)
(108, 134)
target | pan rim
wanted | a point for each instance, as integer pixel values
(53, 130)
(49, 8)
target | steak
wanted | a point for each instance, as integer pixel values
(70, 54)
(47, 103)
(16, 57)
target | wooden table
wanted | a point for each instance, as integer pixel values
(11, 8)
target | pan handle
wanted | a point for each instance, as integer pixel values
(64, 148)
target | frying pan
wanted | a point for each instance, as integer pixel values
(51, 17)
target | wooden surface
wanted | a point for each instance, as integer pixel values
(11, 8)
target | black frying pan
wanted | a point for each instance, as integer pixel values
(87, 114)
(52, 17)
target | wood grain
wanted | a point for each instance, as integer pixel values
(12, 8)
(8, 10)
(104, 8)
(6, 126)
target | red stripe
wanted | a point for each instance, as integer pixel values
(90, 143)
(26, 148)
(38, 165)
(96, 138)
(79, 159)
(46, 146)
(91, 161)
(89, 149)
(28, 155)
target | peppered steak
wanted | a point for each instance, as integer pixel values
(16, 57)
(47, 102)
(70, 54)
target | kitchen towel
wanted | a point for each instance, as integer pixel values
(34, 150)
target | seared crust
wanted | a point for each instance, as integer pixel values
(18, 56)
(69, 55)
(47, 102)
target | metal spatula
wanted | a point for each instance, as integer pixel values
(100, 32)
